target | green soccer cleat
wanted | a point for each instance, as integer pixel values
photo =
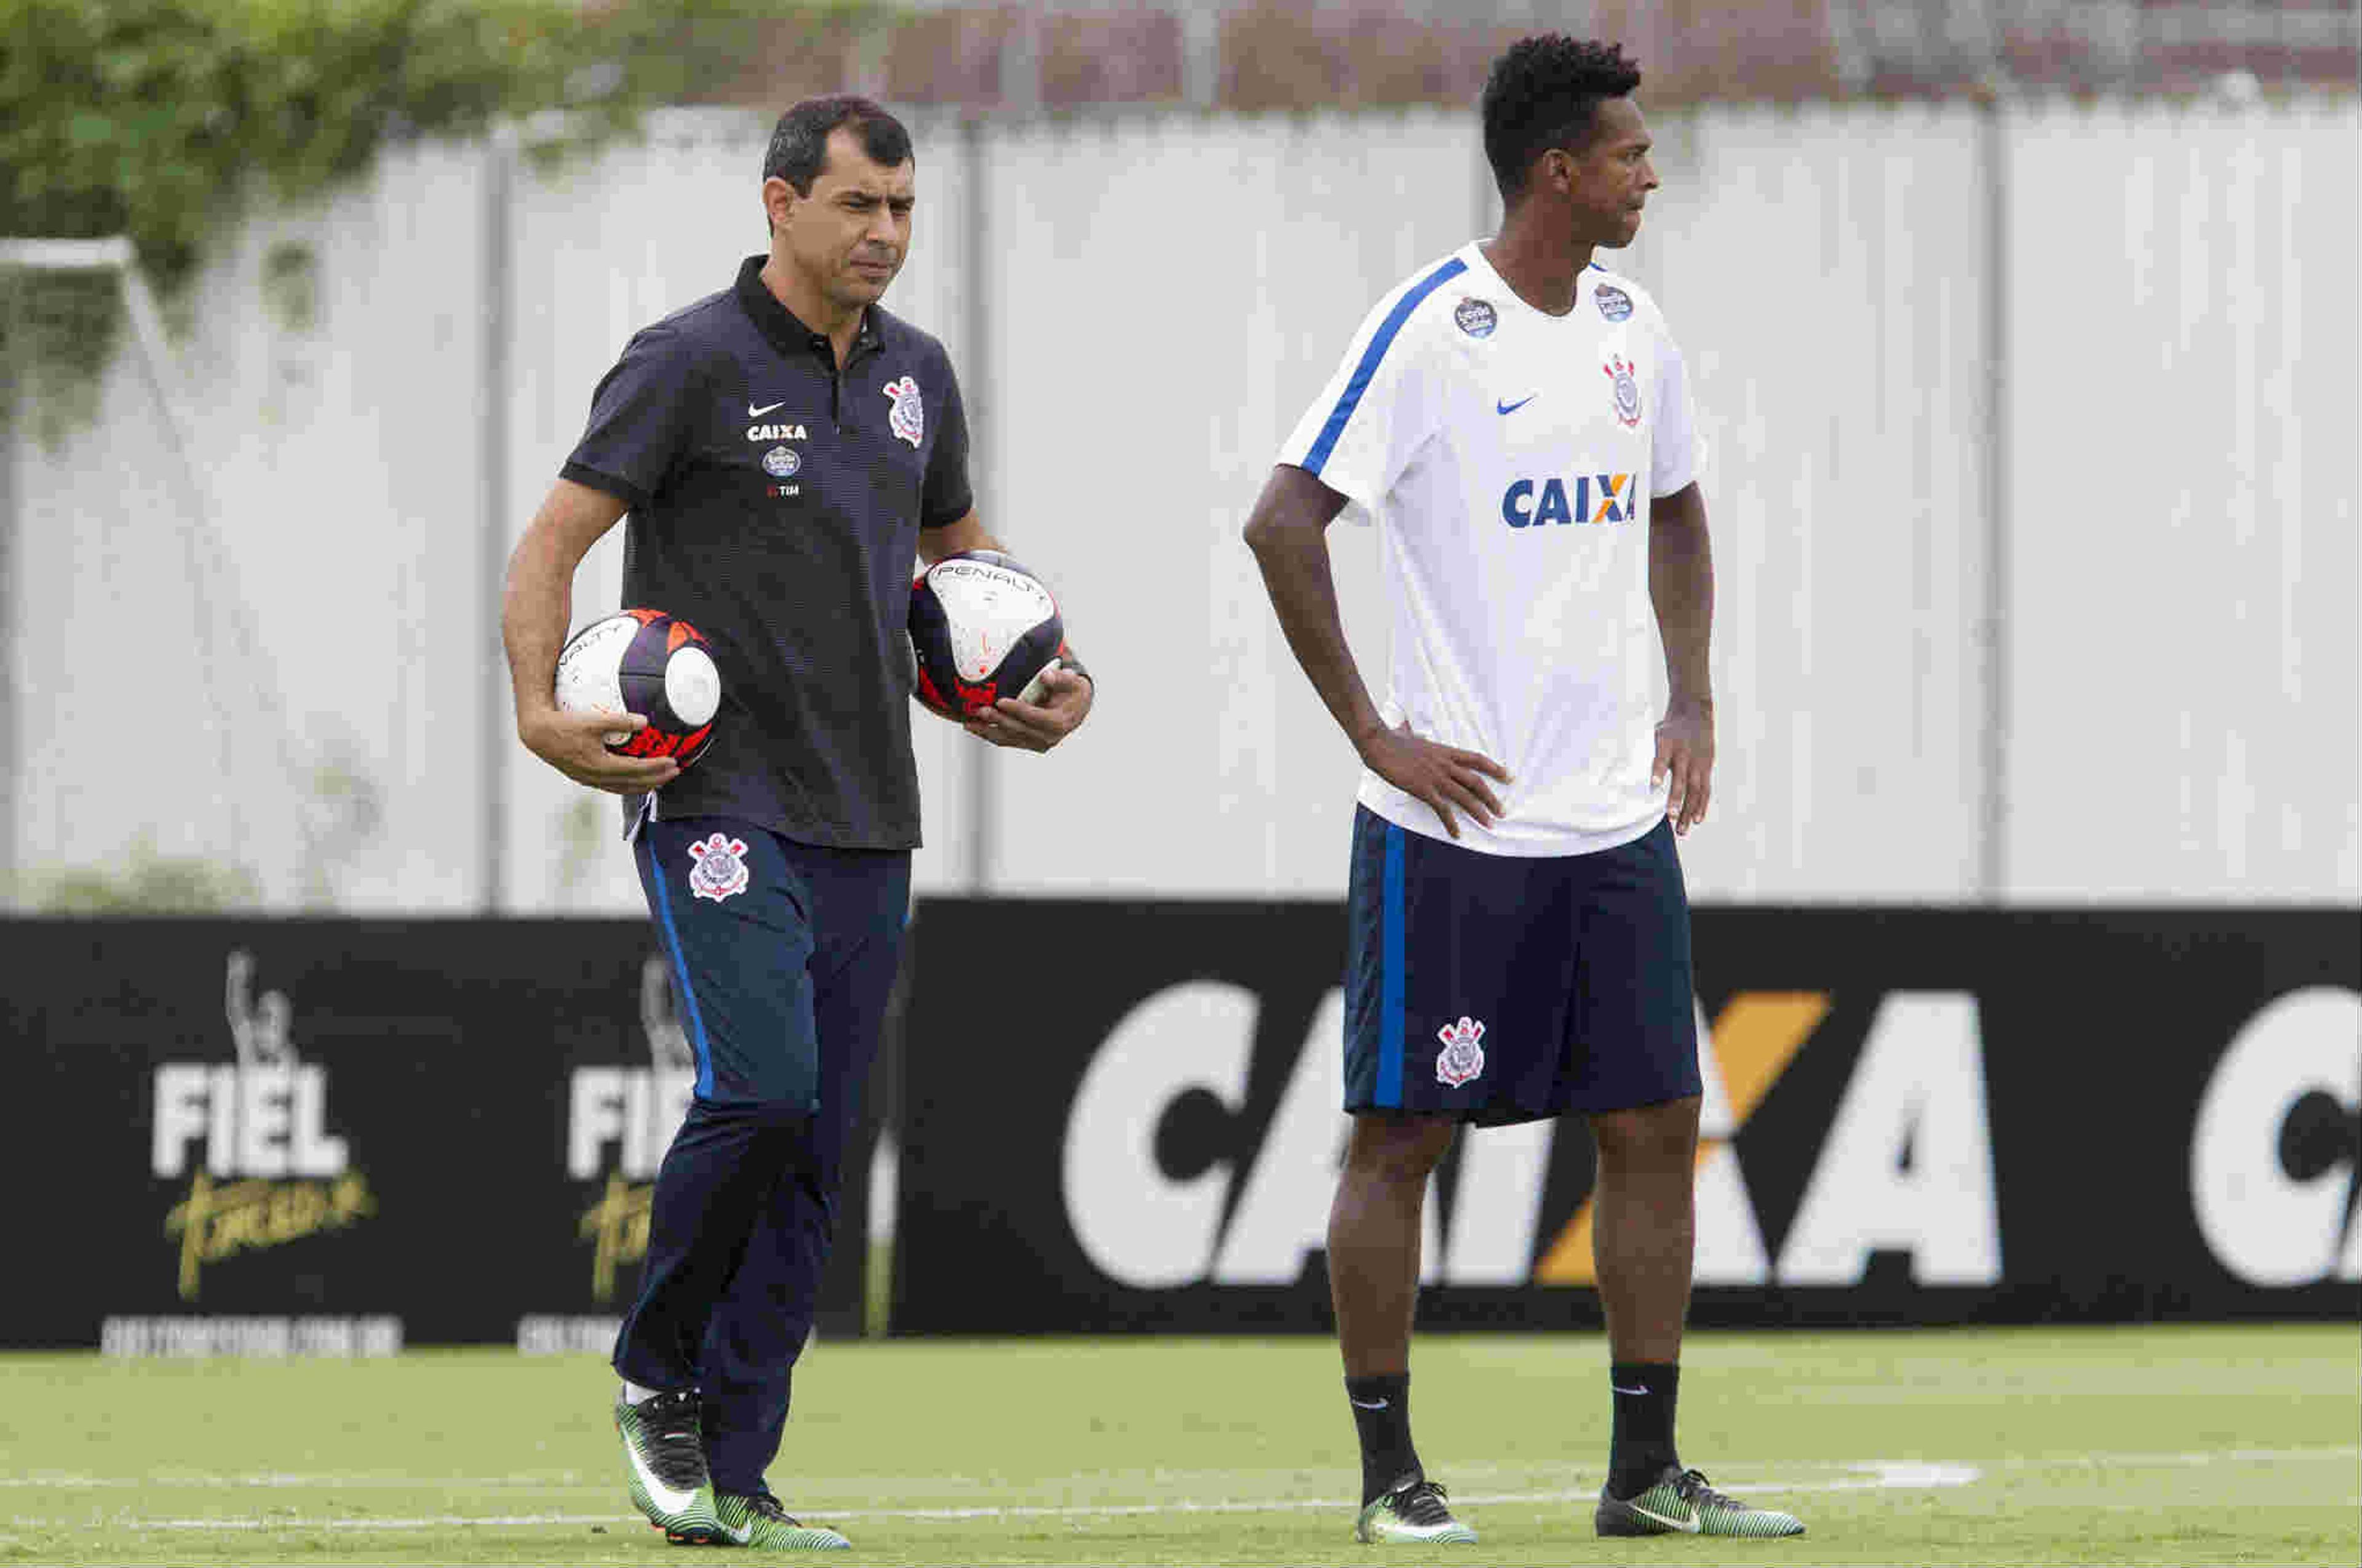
(666, 1459)
(1412, 1514)
(1681, 1503)
(759, 1522)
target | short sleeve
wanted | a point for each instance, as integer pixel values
(947, 496)
(1368, 423)
(640, 418)
(1678, 454)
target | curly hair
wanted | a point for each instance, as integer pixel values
(1544, 91)
(798, 144)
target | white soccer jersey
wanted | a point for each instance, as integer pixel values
(1507, 458)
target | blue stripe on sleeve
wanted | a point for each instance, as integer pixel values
(1380, 341)
(1390, 976)
(680, 975)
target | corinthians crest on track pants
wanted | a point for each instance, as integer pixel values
(782, 955)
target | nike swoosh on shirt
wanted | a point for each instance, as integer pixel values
(1500, 407)
(1620, 1389)
(754, 413)
(665, 1498)
(1360, 1405)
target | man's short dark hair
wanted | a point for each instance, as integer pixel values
(799, 141)
(1545, 92)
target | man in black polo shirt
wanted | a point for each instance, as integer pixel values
(785, 448)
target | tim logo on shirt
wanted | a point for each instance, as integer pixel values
(1585, 498)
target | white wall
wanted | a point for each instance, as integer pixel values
(2185, 423)
(1170, 296)
(1140, 308)
(339, 586)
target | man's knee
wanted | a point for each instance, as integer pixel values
(1397, 1148)
(767, 1134)
(1649, 1137)
(751, 1111)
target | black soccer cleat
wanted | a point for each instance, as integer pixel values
(760, 1522)
(1413, 1514)
(665, 1457)
(1681, 1503)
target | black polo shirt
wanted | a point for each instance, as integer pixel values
(775, 504)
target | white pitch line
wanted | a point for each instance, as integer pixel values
(191, 1478)
(437, 1521)
(1909, 1476)
(554, 1483)
(559, 1479)
(1876, 1475)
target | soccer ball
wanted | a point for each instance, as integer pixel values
(649, 663)
(982, 627)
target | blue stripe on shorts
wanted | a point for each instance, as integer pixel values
(1390, 1017)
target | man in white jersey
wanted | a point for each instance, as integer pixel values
(1515, 421)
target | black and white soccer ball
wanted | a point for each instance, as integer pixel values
(649, 663)
(982, 627)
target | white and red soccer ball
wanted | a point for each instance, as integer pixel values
(649, 663)
(982, 627)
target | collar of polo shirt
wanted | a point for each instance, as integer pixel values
(780, 324)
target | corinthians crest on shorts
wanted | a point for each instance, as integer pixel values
(1628, 390)
(1463, 1057)
(909, 418)
(719, 868)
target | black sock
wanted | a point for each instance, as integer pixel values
(1382, 1415)
(1642, 1445)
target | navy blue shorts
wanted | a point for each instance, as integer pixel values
(783, 953)
(1495, 988)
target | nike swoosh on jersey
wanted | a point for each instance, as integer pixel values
(1368, 1404)
(754, 413)
(665, 1498)
(1500, 407)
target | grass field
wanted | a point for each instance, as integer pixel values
(2033, 1446)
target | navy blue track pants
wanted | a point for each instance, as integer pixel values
(783, 953)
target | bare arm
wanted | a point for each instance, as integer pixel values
(1025, 727)
(1288, 532)
(535, 609)
(1681, 586)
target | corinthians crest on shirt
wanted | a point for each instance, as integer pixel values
(718, 866)
(907, 419)
(1626, 390)
(1462, 1056)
